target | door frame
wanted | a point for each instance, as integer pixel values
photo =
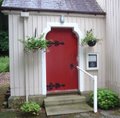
(80, 57)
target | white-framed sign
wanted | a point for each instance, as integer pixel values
(92, 61)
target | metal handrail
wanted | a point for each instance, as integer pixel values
(94, 78)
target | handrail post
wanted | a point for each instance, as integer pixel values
(95, 94)
(94, 78)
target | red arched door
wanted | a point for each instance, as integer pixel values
(61, 76)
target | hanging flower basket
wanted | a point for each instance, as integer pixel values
(89, 39)
(91, 43)
(34, 43)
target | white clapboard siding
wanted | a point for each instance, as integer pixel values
(33, 61)
(102, 4)
(112, 45)
(16, 55)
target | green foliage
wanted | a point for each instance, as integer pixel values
(1, 2)
(33, 43)
(88, 37)
(4, 43)
(3, 20)
(107, 99)
(30, 108)
(4, 64)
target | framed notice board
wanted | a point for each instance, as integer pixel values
(92, 61)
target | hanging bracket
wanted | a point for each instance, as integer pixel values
(55, 43)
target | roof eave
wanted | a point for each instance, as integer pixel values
(50, 10)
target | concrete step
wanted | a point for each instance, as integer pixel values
(64, 100)
(67, 109)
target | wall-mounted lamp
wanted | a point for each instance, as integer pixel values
(62, 19)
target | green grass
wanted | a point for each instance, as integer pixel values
(4, 64)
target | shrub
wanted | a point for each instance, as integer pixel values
(4, 64)
(4, 43)
(30, 108)
(107, 99)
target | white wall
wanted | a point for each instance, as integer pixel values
(102, 4)
(39, 21)
(112, 42)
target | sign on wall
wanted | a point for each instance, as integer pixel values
(92, 61)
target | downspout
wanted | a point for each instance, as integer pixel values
(25, 16)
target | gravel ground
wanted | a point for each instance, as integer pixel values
(4, 79)
(4, 85)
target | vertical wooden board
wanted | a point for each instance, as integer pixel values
(42, 25)
(67, 19)
(39, 23)
(56, 18)
(107, 44)
(47, 18)
(115, 49)
(99, 51)
(72, 19)
(111, 42)
(118, 42)
(30, 59)
(11, 43)
(39, 73)
(86, 26)
(103, 48)
(26, 56)
(15, 55)
(39, 57)
(82, 25)
(44, 22)
(35, 56)
(100, 48)
(21, 56)
(34, 24)
(35, 71)
(29, 26)
(31, 74)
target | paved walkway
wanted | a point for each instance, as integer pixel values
(100, 114)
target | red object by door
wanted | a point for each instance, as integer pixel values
(61, 75)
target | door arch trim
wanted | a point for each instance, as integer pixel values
(79, 35)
